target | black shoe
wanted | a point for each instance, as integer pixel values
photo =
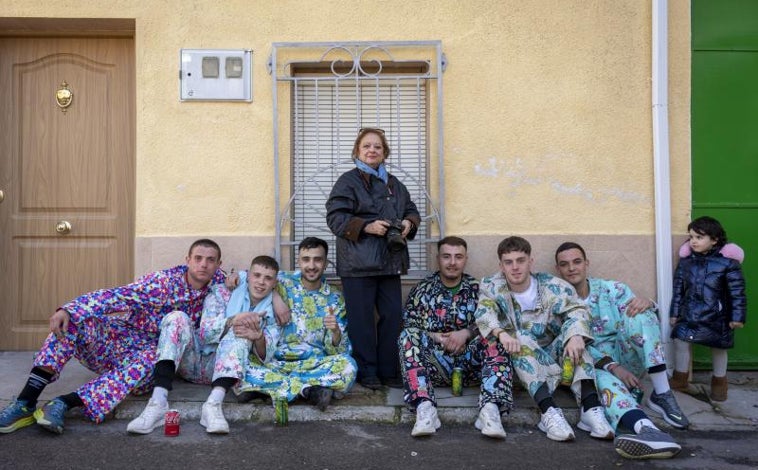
(372, 382)
(392, 382)
(319, 396)
(665, 405)
(245, 397)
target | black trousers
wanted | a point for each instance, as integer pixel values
(374, 342)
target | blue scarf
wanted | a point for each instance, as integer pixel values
(240, 302)
(381, 173)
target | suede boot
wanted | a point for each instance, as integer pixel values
(679, 381)
(719, 387)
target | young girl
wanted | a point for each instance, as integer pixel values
(708, 303)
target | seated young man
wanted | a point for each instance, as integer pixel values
(212, 353)
(309, 356)
(440, 334)
(539, 320)
(627, 345)
(121, 349)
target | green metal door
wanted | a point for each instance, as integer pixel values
(725, 142)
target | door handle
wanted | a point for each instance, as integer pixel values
(2, 195)
(63, 227)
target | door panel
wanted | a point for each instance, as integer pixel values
(74, 166)
(725, 143)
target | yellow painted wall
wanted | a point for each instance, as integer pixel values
(547, 108)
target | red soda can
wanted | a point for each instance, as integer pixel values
(171, 425)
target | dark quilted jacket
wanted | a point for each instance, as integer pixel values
(709, 292)
(356, 200)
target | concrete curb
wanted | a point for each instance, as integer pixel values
(738, 413)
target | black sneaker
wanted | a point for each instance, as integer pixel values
(249, 395)
(319, 396)
(665, 405)
(650, 443)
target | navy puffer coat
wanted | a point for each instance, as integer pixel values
(709, 292)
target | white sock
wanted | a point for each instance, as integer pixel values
(720, 358)
(217, 394)
(681, 356)
(160, 395)
(643, 422)
(660, 381)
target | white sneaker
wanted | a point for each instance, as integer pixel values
(489, 422)
(151, 417)
(594, 422)
(555, 426)
(212, 418)
(427, 421)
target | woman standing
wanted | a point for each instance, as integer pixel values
(371, 213)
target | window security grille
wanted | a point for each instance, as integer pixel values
(347, 87)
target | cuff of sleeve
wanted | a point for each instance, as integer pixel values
(604, 362)
(486, 330)
(354, 228)
(608, 366)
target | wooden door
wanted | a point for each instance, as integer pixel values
(60, 168)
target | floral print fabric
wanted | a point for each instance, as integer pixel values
(633, 342)
(114, 332)
(431, 307)
(301, 353)
(543, 332)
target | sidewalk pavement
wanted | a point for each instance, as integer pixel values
(738, 413)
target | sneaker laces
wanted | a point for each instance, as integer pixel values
(556, 420)
(668, 399)
(553, 416)
(214, 409)
(152, 410)
(490, 414)
(14, 408)
(424, 413)
(596, 413)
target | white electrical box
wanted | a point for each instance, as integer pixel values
(215, 75)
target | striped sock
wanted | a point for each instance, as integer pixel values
(35, 384)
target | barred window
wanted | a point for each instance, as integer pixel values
(362, 85)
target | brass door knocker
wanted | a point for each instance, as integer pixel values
(64, 96)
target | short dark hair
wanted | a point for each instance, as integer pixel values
(709, 226)
(265, 261)
(512, 244)
(565, 246)
(452, 241)
(313, 242)
(206, 242)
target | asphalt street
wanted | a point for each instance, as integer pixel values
(341, 445)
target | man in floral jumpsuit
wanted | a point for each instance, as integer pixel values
(198, 353)
(440, 334)
(541, 322)
(627, 345)
(120, 348)
(309, 356)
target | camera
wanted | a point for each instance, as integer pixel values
(395, 240)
